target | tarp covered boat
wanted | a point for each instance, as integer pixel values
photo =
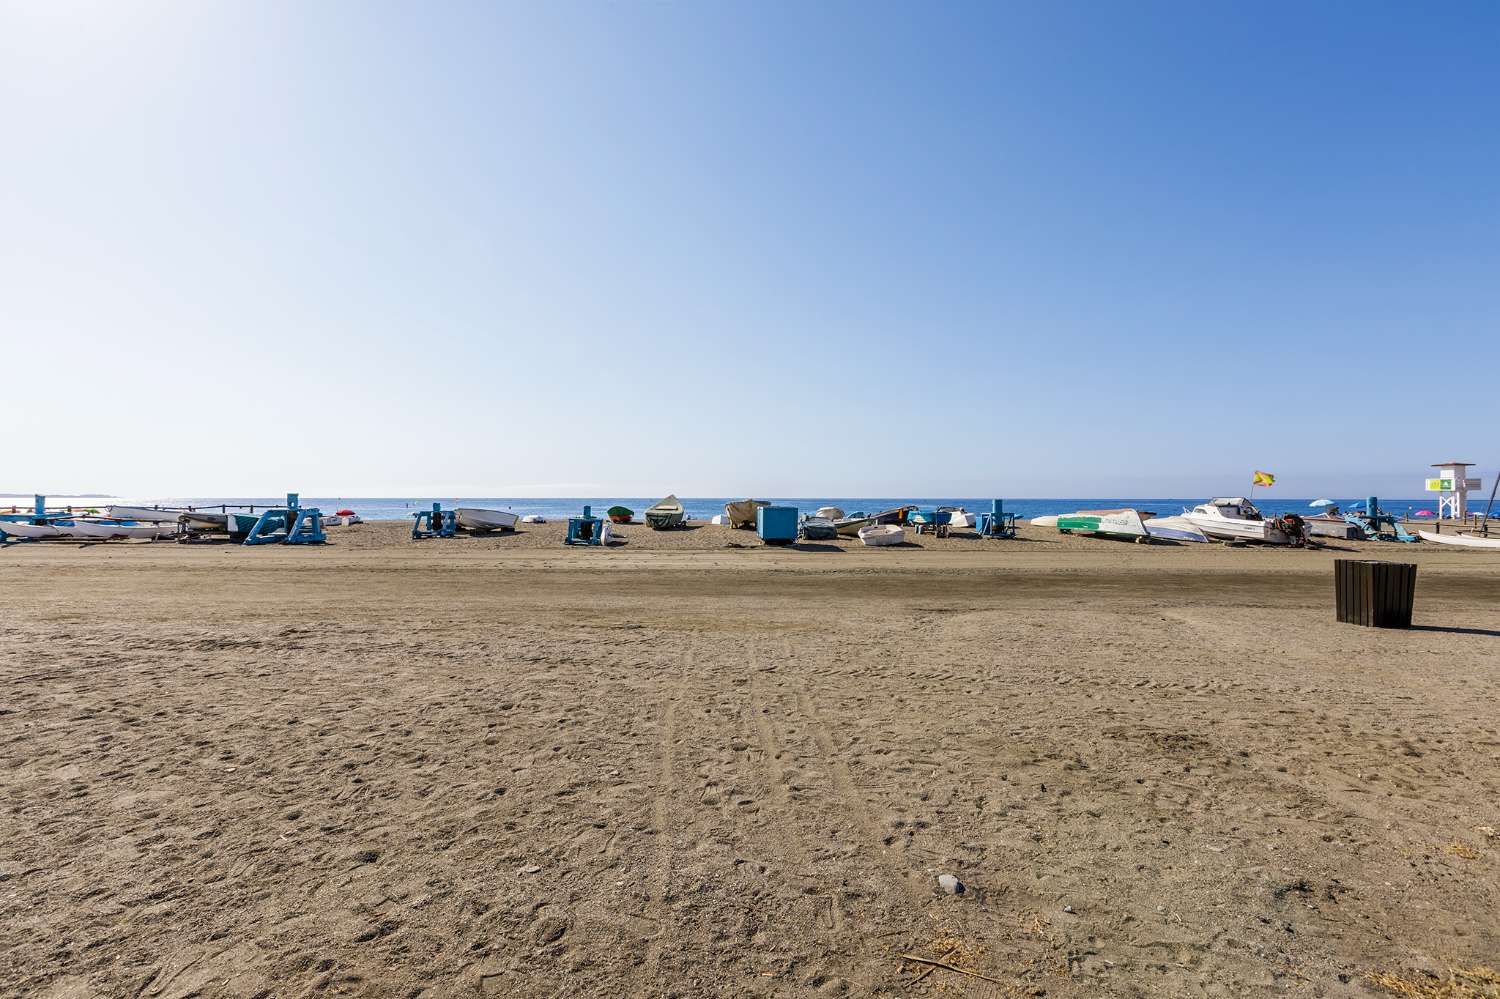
(819, 529)
(741, 513)
(666, 513)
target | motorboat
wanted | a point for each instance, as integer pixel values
(472, 518)
(881, 535)
(1235, 518)
(665, 514)
(1175, 528)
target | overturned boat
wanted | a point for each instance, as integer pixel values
(481, 521)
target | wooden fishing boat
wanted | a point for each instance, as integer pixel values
(666, 513)
(482, 521)
(620, 514)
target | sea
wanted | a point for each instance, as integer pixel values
(702, 508)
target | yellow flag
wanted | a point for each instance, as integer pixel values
(1265, 479)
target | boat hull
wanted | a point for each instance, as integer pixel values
(1115, 523)
(1456, 540)
(850, 527)
(144, 514)
(1174, 529)
(477, 519)
(881, 535)
(33, 531)
(93, 529)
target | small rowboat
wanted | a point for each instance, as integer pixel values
(1458, 540)
(472, 518)
(19, 529)
(115, 529)
(880, 535)
(620, 514)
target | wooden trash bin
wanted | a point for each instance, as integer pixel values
(1374, 594)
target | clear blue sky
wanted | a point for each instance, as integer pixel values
(795, 249)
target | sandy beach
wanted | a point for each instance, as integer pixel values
(694, 766)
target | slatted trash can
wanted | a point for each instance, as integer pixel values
(1374, 594)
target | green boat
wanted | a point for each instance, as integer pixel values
(1124, 523)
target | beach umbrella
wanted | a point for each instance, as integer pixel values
(343, 513)
(1321, 502)
(1424, 513)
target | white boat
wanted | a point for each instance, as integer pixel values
(1047, 520)
(533, 518)
(1174, 529)
(144, 514)
(828, 513)
(1122, 523)
(106, 529)
(958, 517)
(1234, 518)
(472, 518)
(877, 535)
(1458, 540)
(18, 529)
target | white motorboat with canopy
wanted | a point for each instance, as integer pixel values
(1235, 518)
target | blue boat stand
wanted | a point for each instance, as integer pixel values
(585, 530)
(293, 524)
(434, 523)
(997, 523)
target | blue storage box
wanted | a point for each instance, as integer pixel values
(776, 525)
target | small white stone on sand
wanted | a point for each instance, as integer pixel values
(950, 884)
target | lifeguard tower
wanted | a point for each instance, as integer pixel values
(1453, 483)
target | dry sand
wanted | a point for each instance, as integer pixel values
(502, 767)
